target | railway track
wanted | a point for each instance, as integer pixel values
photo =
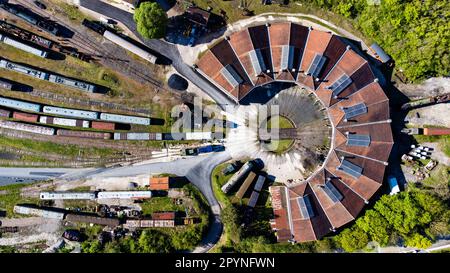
(91, 143)
(94, 48)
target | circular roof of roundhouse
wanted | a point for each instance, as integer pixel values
(356, 104)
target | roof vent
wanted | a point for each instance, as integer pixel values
(376, 80)
(348, 47)
(227, 37)
(267, 25)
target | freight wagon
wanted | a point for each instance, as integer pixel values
(17, 104)
(25, 117)
(25, 35)
(38, 212)
(67, 195)
(111, 222)
(199, 136)
(24, 47)
(244, 187)
(64, 121)
(27, 127)
(124, 195)
(144, 54)
(70, 112)
(83, 134)
(23, 69)
(103, 125)
(137, 136)
(72, 83)
(124, 119)
(174, 136)
(5, 85)
(237, 176)
(4, 113)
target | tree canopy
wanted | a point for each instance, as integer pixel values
(414, 216)
(151, 20)
(416, 33)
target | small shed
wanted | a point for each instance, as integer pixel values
(380, 53)
(159, 183)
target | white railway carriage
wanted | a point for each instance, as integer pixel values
(72, 83)
(27, 127)
(70, 112)
(22, 46)
(124, 119)
(64, 121)
(124, 195)
(67, 195)
(38, 212)
(25, 106)
(129, 46)
(199, 136)
(23, 69)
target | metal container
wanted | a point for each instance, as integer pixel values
(103, 125)
(25, 117)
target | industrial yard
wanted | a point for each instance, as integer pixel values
(224, 129)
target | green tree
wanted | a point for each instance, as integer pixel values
(151, 20)
(352, 239)
(417, 240)
(375, 225)
(153, 241)
(230, 220)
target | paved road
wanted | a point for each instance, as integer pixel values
(29, 175)
(197, 169)
(162, 47)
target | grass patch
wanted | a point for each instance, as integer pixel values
(12, 196)
(44, 147)
(156, 204)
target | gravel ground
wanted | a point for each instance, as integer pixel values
(436, 115)
(430, 87)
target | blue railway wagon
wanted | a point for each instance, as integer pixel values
(125, 119)
(72, 83)
(66, 112)
(21, 105)
(23, 69)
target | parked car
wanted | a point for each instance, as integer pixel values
(40, 5)
(72, 235)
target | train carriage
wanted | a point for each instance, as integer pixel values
(64, 121)
(21, 105)
(27, 127)
(83, 134)
(23, 69)
(125, 119)
(72, 83)
(25, 117)
(67, 112)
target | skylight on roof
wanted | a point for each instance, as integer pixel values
(350, 168)
(257, 61)
(316, 65)
(231, 75)
(332, 192)
(358, 140)
(304, 203)
(355, 110)
(338, 86)
(287, 57)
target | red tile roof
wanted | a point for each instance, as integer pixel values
(329, 214)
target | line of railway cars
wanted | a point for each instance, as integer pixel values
(24, 47)
(80, 85)
(121, 41)
(39, 41)
(31, 18)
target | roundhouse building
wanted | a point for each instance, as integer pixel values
(357, 108)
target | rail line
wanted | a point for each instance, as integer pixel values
(97, 50)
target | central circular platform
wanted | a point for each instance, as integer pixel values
(288, 131)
